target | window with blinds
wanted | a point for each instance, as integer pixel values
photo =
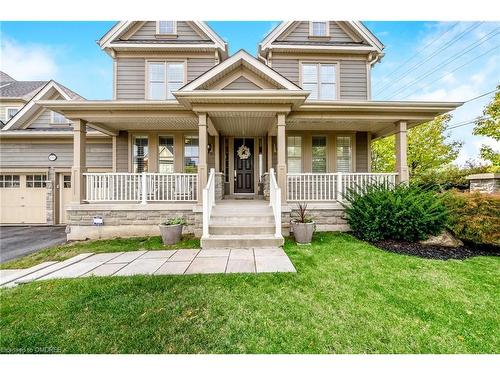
(319, 154)
(344, 154)
(140, 154)
(320, 80)
(164, 78)
(166, 154)
(294, 154)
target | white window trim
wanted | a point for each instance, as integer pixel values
(160, 34)
(169, 135)
(327, 154)
(327, 35)
(337, 77)
(7, 112)
(53, 122)
(353, 150)
(165, 62)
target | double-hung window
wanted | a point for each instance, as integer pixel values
(319, 154)
(319, 28)
(320, 80)
(344, 154)
(294, 154)
(141, 154)
(166, 154)
(191, 154)
(164, 78)
(166, 27)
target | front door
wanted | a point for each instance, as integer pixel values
(243, 165)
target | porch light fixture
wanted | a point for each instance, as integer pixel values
(209, 147)
(52, 157)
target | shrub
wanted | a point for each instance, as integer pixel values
(175, 221)
(403, 212)
(474, 217)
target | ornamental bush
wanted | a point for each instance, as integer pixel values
(401, 212)
(475, 217)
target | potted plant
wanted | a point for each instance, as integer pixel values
(171, 230)
(302, 225)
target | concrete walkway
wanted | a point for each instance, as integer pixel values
(155, 262)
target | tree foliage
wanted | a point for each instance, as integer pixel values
(488, 125)
(429, 147)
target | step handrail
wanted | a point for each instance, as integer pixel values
(208, 201)
(275, 202)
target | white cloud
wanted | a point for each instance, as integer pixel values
(27, 61)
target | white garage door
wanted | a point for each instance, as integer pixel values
(23, 198)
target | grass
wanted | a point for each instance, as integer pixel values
(67, 251)
(346, 297)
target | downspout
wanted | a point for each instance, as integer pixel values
(372, 61)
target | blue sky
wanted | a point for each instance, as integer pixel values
(423, 60)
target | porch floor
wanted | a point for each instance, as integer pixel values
(155, 262)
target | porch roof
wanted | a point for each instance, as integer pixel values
(249, 112)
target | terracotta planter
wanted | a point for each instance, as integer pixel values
(303, 232)
(170, 234)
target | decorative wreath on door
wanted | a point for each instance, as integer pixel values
(243, 152)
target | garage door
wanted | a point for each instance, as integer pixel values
(23, 199)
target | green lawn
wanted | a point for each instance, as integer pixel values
(346, 297)
(66, 251)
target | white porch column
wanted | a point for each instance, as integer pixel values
(202, 166)
(79, 161)
(401, 152)
(281, 166)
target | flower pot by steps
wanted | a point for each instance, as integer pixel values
(170, 234)
(303, 232)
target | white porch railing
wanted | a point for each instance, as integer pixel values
(275, 202)
(143, 187)
(331, 186)
(208, 201)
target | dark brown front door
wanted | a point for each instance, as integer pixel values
(243, 167)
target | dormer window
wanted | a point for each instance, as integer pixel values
(166, 28)
(318, 29)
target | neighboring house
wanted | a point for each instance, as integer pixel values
(189, 126)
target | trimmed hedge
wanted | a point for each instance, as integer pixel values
(403, 212)
(474, 217)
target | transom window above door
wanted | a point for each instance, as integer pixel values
(165, 77)
(318, 28)
(166, 27)
(320, 80)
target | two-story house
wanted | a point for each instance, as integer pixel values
(230, 143)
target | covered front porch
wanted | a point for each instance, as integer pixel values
(180, 158)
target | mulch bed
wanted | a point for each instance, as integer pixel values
(438, 252)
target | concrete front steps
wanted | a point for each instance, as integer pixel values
(241, 224)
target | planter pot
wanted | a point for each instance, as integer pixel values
(170, 234)
(303, 232)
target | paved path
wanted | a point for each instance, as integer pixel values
(155, 262)
(16, 242)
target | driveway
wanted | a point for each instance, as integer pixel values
(16, 242)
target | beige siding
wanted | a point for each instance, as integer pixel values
(27, 154)
(288, 68)
(353, 80)
(242, 83)
(130, 75)
(361, 152)
(122, 152)
(301, 34)
(353, 76)
(131, 72)
(184, 32)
